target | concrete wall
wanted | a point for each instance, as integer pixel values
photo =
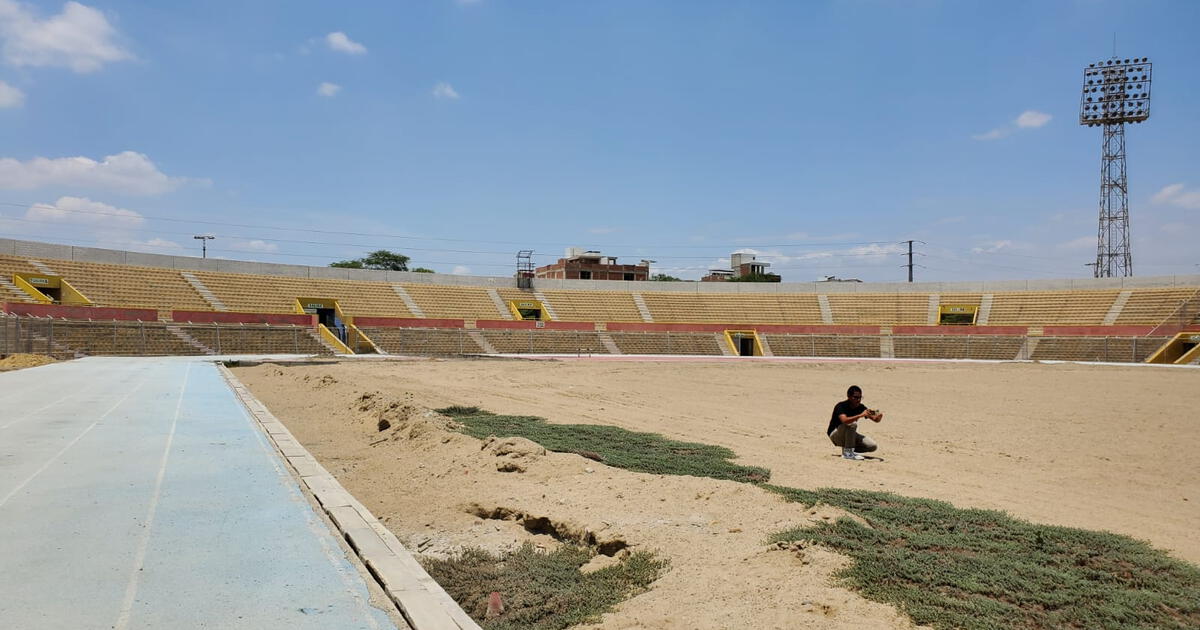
(36, 250)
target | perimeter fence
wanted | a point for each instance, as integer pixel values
(65, 339)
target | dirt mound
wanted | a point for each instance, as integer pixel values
(19, 361)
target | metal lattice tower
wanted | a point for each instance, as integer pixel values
(1115, 92)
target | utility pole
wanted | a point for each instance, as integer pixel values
(910, 264)
(204, 239)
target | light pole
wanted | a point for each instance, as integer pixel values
(204, 239)
(1115, 92)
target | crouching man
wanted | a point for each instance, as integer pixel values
(843, 426)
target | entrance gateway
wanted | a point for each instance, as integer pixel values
(744, 343)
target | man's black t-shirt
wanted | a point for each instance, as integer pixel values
(847, 407)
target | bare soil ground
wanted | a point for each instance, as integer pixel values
(19, 361)
(1098, 447)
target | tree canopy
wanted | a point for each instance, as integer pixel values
(662, 277)
(379, 259)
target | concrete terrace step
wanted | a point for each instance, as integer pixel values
(188, 339)
(204, 291)
(545, 304)
(640, 303)
(408, 301)
(501, 307)
(482, 341)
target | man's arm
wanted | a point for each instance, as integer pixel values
(855, 418)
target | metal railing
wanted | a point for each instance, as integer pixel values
(64, 339)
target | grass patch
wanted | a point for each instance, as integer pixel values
(620, 448)
(954, 568)
(541, 591)
(944, 566)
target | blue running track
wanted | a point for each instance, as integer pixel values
(138, 493)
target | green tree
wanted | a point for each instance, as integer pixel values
(378, 259)
(384, 259)
(662, 277)
(422, 270)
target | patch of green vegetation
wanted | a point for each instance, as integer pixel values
(541, 591)
(954, 568)
(620, 448)
(944, 566)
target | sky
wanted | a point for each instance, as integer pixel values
(818, 136)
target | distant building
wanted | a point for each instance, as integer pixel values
(590, 265)
(743, 265)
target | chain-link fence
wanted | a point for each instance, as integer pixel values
(65, 339)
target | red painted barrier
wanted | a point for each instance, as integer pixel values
(81, 312)
(221, 317)
(763, 328)
(1015, 331)
(524, 324)
(407, 322)
(1096, 331)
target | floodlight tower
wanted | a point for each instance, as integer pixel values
(1115, 92)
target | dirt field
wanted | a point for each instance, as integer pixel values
(1098, 447)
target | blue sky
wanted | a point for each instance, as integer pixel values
(817, 135)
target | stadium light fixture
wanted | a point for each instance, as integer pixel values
(204, 239)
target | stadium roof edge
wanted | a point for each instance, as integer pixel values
(37, 250)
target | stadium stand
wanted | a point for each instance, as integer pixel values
(120, 285)
(1060, 308)
(996, 347)
(592, 306)
(879, 308)
(446, 301)
(277, 294)
(667, 342)
(1055, 321)
(1113, 349)
(1151, 306)
(431, 341)
(738, 308)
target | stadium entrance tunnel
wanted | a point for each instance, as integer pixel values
(1182, 349)
(335, 326)
(49, 289)
(744, 343)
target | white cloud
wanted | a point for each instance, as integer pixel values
(1029, 119)
(445, 91)
(461, 270)
(255, 246)
(79, 38)
(328, 89)
(83, 211)
(991, 247)
(127, 172)
(1032, 119)
(994, 134)
(1175, 195)
(10, 96)
(339, 42)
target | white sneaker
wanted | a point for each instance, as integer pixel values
(848, 453)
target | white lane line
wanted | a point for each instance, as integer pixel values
(70, 444)
(135, 577)
(337, 558)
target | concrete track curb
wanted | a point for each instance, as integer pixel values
(421, 600)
